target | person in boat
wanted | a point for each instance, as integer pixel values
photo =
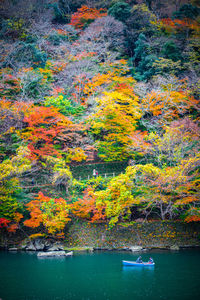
(151, 260)
(139, 260)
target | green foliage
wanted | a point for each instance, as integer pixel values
(144, 59)
(8, 202)
(68, 34)
(27, 55)
(59, 14)
(65, 106)
(171, 51)
(13, 28)
(121, 11)
(187, 11)
(142, 20)
(35, 83)
(56, 39)
(167, 66)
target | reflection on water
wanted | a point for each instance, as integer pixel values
(138, 269)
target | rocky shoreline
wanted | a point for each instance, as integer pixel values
(55, 248)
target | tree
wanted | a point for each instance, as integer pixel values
(121, 11)
(163, 191)
(85, 15)
(187, 11)
(61, 175)
(162, 107)
(165, 66)
(50, 133)
(178, 141)
(10, 170)
(52, 213)
(88, 207)
(144, 60)
(105, 38)
(171, 51)
(115, 119)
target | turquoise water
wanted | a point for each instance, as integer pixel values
(100, 276)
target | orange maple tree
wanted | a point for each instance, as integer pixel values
(88, 207)
(52, 213)
(50, 133)
(86, 15)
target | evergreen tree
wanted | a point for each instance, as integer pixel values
(120, 11)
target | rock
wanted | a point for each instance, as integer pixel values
(12, 249)
(69, 253)
(59, 246)
(53, 248)
(24, 244)
(30, 247)
(125, 249)
(39, 244)
(47, 244)
(54, 254)
(175, 248)
(56, 247)
(135, 248)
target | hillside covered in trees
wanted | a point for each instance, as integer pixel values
(101, 81)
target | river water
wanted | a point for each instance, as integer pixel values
(100, 276)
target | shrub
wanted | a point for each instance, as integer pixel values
(13, 28)
(68, 34)
(65, 106)
(121, 11)
(35, 83)
(59, 14)
(25, 54)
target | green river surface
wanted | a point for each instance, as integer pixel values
(99, 276)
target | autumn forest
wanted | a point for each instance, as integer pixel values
(85, 82)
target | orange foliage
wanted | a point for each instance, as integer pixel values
(88, 208)
(47, 128)
(176, 25)
(53, 214)
(167, 105)
(85, 15)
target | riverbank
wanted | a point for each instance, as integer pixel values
(148, 235)
(154, 234)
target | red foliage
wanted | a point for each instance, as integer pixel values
(44, 125)
(4, 222)
(85, 15)
(87, 208)
(50, 133)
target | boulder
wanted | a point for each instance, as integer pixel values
(54, 254)
(175, 248)
(12, 249)
(135, 248)
(53, 248)
(24, 244)
(39, 244)
(30, 247)
(56, 247)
